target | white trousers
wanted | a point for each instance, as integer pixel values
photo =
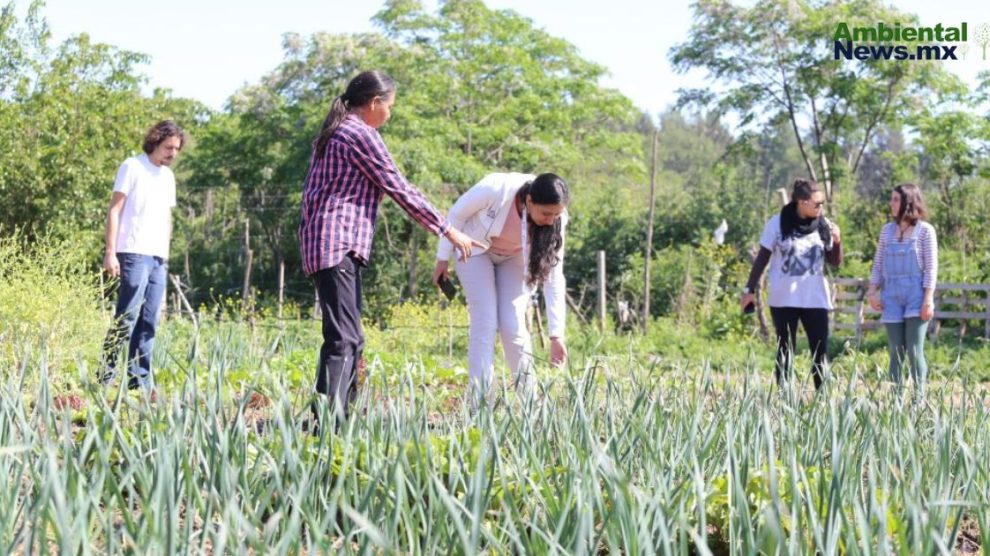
(497, 298)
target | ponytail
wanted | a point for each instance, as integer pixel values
(360, 91)
(338, 109)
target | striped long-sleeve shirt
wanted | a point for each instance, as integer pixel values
(927, 250)
(341, 194)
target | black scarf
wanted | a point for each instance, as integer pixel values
(791, 224)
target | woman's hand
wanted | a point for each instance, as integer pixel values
(836, 233)
(927, 309)
(440, 271)
(558, 352)
(746, 299)
(462, 242)
(873, 298)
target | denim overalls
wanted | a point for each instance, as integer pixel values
(902, 292)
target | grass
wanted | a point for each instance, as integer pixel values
(631, 449)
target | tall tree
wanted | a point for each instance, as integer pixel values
(777, 58)
(479, 90)
(69, 115)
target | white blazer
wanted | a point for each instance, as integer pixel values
(481, 212)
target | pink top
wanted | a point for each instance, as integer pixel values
(509, 241)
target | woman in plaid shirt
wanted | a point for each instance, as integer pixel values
(350, 171)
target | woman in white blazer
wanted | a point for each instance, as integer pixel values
(520, 220)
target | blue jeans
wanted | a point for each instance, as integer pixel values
(142, 287)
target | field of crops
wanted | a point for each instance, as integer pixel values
(625, 451)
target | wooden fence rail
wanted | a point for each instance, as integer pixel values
(961, 303)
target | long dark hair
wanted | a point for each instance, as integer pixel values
(360, 91)
(545, 241)
(912, 204)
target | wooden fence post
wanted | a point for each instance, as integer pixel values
(249, 260)
(281, 287)
(785, 197)
(962, 309)
(860, 309)
(648, 256)
(185, 301)
(166, 306)
(601, 290)
(986, 318)
(986, 307)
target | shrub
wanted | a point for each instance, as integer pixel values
(49, 299)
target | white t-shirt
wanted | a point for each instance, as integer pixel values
(797, 269)
(144, 220)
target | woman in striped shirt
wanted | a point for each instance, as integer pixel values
(905, 269)
(349, 172)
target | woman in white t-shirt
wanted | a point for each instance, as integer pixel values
(797, 242)
(520, 219)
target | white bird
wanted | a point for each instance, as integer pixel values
(720, 232)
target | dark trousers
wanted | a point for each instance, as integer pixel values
(815, 324)
(339, 288)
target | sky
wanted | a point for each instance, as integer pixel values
(207, 49)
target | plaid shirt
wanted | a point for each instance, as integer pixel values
(342, 192)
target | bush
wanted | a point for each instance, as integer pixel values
(49, 304)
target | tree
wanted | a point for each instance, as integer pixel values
(68, 118)
(775, 59)
(887, 161)
(948, 146)
(479, 90)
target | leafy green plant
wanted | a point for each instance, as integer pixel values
(49, 307)
(673, 452)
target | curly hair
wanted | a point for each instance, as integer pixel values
(160, 132)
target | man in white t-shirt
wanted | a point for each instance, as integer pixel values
(139, 228)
